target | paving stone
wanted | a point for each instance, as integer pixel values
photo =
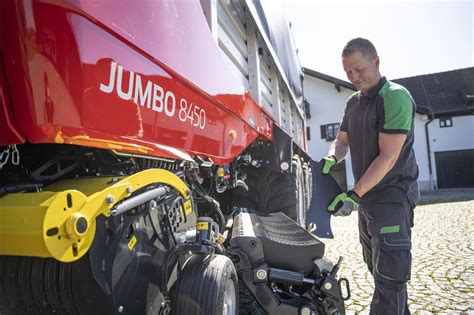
(414, 307)
(449, 312)
(443, 260)
(357, 308)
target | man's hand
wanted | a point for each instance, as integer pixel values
(344, 203)
(329, 162)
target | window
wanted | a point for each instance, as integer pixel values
(308, 133)
(307, 110)
(445, 122)
(329, 131)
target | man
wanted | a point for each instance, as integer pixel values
(377, 126)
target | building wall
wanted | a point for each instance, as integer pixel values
(458, 137)
(327, 106)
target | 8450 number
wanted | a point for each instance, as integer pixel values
(192, 113)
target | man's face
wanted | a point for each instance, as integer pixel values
(362, 71)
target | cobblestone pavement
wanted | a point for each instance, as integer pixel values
(443, 260)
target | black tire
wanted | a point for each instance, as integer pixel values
(207, 285)
(271, 191)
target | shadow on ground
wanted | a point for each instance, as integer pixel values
(446, 195)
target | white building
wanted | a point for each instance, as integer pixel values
(444, 124)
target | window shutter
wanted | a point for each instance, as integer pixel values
(323, 131)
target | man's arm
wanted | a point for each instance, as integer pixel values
(340, 146)
(390, 146)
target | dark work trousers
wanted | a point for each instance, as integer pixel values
(385, 235)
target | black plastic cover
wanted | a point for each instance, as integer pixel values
(286, 245)
(325, 189)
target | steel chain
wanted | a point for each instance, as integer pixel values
(15, 155)
(5, 156)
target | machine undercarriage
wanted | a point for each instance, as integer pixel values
(144, 244)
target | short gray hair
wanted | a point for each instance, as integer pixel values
(366, 48)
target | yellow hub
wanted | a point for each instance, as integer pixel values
(60, 222)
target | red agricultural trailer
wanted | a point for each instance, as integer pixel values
(152, 160)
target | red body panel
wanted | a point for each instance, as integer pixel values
(64, 61)
(9, 133)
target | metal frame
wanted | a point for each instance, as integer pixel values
(250, 56)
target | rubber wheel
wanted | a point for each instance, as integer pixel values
(207, 285)
(271, 191)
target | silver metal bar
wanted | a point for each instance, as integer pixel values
(138, 200)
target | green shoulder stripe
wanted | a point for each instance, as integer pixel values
(398, 108)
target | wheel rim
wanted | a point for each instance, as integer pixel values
(301, 203)
(230, 302)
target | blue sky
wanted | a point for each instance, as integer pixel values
(412, 37)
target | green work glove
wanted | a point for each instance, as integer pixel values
(344, 203)
(329, 162)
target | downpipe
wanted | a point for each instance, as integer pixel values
(428, 147)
